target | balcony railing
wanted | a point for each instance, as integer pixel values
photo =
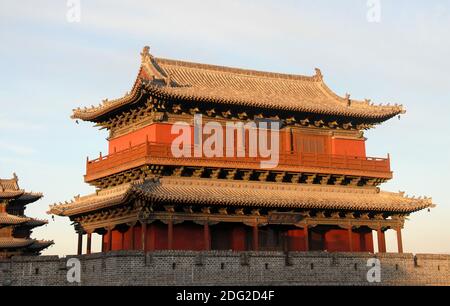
(161, 154)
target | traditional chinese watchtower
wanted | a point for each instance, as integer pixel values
(15, 227)
(322, 195)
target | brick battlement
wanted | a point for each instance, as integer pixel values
(228, 268)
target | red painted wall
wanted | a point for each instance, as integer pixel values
(336, 240)
(350, 147)
(238, 240)
(296, 240)
(234, 236)
(188, 236)
(158, 132)
(366, 242)
(299, 142)
(309, 143)
(116, 240)
(316, 240)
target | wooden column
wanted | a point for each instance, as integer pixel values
(255, 238)
(350, 239)
(109, 245)
(362, 241)
(285, 242)
(206, 237)
(306, 234)
(123, 240)
(381, 241)
(399, 240)
(144, 236)
(103, 242)
(132, 236)
(383, 237)
(80, 243)
(170, 235)
(88, 244)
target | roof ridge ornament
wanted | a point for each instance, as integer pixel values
(348, 99)
(152, 69)
(145, 54)
(318, 76)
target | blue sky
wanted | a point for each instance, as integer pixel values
(50, 66)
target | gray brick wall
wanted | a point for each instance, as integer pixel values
(227, 268)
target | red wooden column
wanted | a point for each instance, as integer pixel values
(123, 240)
(383, 237)
(206, 237)
(381, 241)
(80, 243)
(170, 235)
(399, 240)
(144, 236)
(255, 238)
(109, 240)
(306, 232)
(132, 236)
(88, 244)
(350, 239)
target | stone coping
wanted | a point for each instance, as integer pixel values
(227, 254)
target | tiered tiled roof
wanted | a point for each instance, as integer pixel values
(12, 199)
(180, 80)
(26, 198)
(9, 243)
(9, 188)
(7, 219)
(35, 223)
(39, 245)
(251, 194)
(31, 245)
(101, 199)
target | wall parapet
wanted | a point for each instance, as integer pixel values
(228, 268)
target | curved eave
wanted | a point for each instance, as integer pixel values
(248, 194)
(34, 223)
(272, 195)
(10, 194)
(7, 220)
(105, 198)
(94, 112)
(211, 97)
(40, 245)
(26, 198)
(377, 114)
(14, 243)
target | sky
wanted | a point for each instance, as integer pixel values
(49, 65)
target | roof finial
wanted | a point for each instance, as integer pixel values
(318, 75)
(145, 53)
(347, 98)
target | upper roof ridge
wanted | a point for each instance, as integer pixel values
(317, 77)
(10, 184)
